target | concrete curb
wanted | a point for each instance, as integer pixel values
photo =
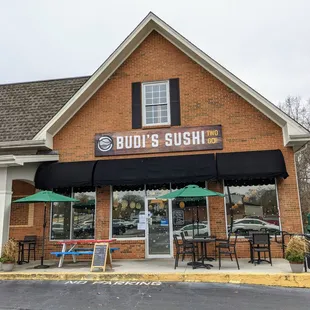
(285, 280)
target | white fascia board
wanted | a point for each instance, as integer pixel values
(20, 160)
(152, 22)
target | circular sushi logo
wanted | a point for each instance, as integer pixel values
(105, 143)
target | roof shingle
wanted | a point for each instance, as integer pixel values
(25, 108)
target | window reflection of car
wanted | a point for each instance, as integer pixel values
(131, 223)
(57, 230)
(118, 227)
(248, 224)
(188, 229)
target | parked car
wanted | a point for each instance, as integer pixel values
(57, 230)
(203, 229)
(131, 223)
(243, 225)
(118, 227)
(272, 220)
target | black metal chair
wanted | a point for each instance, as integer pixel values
(182, 249)
(188, 244)
(261, 244)
(31, 241)
(227, 247)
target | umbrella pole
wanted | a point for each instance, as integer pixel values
(193, 222)
(41, 266)
(231, 210)
(197, 219)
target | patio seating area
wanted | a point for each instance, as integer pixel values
(159, 266)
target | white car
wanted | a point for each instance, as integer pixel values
(131, 223)
(203, 230)
(249, 224)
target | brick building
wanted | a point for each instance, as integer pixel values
(157, 115)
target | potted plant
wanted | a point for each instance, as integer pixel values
(9, 255)
(295, 253)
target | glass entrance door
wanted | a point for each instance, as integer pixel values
(158, 228)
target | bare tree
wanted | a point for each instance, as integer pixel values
(300, 111)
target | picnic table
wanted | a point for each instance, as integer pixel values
(72, 250)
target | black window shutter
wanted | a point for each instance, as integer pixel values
(136, 106)
(175, 110)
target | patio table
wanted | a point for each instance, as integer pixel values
(74, 243)
(203, 244)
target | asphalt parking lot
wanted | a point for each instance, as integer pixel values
(45, 295)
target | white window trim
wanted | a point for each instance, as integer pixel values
(144, 124)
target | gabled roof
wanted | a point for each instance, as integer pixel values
(293, 133)
(25, 108)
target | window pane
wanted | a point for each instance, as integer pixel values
(126, 208)
(162, 87)
(61, 219)
(156, 88)
(148, 95)
(184, 213)
(155, 100)
(148, 89)
(84, 215)
(164, 120)
(163, 94)
(257, 204)
(156, 94)
(162, 100)
(149, 101)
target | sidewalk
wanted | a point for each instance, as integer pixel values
(163, 270)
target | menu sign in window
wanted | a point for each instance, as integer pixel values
(175, 139)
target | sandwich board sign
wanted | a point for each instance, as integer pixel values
(101, 256)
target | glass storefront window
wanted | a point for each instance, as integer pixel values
(74, 220)
(254, 208)
(83, 215)
(190, 217)
(127, 206)
(61, 219)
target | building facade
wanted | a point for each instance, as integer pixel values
(157, 115)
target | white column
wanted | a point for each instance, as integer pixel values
(5, 205)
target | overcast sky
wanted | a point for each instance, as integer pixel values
(266, 43)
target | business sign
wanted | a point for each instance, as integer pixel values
(159, 140)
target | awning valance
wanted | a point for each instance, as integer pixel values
(251, 168)
(155, 170)
(62, 175)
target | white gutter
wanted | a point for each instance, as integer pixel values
(24, 144)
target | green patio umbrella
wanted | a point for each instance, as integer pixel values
(191, 193)
(45, 196)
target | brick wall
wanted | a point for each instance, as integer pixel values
(204, 101)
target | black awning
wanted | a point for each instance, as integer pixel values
(155, 170)
(61, 175)
(250, 168)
